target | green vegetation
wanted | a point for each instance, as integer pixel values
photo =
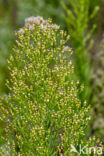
(43, 113)
(77, 18)
(44, 78)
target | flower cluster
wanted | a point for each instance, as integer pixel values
(42, 112)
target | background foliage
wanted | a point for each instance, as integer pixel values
(77, 18)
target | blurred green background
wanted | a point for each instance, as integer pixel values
(84, 21)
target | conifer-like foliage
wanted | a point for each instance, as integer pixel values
(43, 114)
(77, 19)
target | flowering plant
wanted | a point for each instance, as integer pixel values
(43, 112)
